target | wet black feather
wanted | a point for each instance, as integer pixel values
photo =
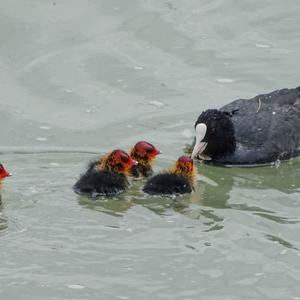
(141, 171)
(95, 183)
(168, 184)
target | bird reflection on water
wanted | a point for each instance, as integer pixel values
(213, 195)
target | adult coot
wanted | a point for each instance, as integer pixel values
(251, 132)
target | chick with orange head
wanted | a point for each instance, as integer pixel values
(177, 180)
(107, 176)
(3, 174)
(144, 153)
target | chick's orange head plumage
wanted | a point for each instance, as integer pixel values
(185, 166)
(3, 172)
(119, 161)
(144, 150)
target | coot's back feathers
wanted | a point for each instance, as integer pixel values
(270, 118)
(267, 127)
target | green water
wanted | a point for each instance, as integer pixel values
(79, 78)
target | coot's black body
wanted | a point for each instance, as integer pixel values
(262, 130)
(168, 184)
(96, 183)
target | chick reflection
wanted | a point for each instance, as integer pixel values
(212, 194)
(112, 206)
(188, 205)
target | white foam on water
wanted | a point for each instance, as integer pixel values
(75, 286)
(156, 103)
(45, 127)
(139, 68)
(283, 252)
(262, 46)
(225, 80)
(41, 139)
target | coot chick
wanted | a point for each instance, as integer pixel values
(251, 132)
(106, 177)
(177, 180)
(144, 153)
(3, 172)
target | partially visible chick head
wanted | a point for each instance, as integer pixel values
(144, 152)
(3, 172)
(118, 161)
(184, 166)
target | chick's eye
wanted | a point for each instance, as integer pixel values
(149, 149)
(124, 159)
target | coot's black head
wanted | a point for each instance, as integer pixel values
(118, 161)
(214, 134)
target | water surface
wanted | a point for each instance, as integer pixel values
(79, 78)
